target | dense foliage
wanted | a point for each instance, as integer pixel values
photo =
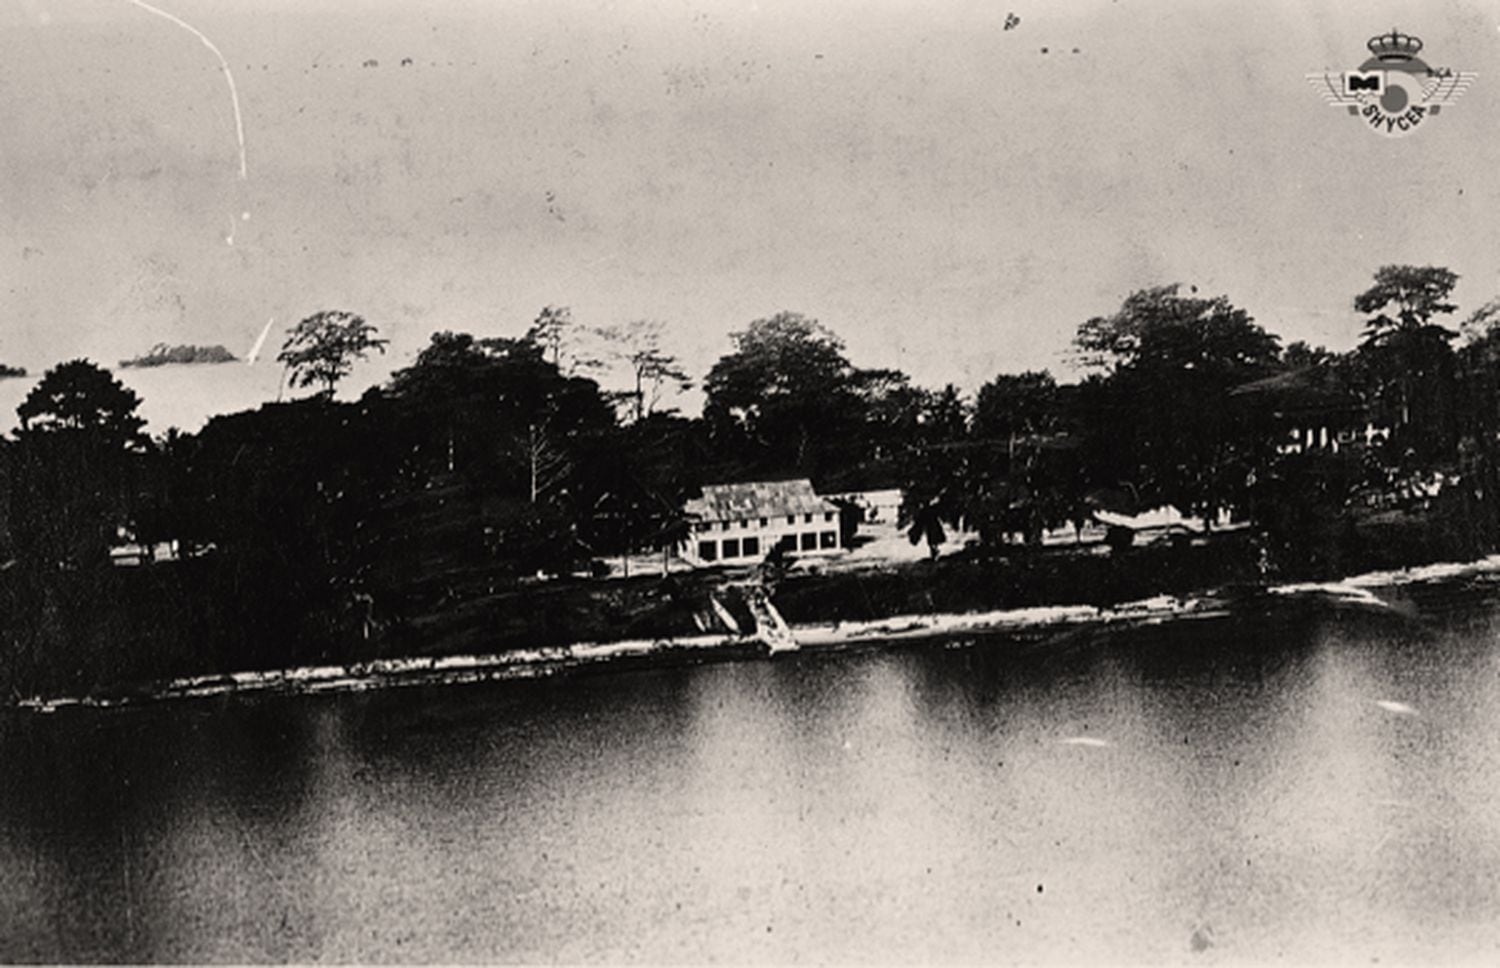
(330, 530)
(323, 348)
(164, 355)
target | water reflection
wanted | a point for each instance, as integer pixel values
(118, 828)
(1221, 791)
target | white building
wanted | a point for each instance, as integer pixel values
(741, 523)
(882, 506)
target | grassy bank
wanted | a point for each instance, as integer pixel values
(77, 634)
(1023, 578)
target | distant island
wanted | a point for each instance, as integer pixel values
(7, 372)
(161, 355)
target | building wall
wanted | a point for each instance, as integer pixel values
(882, 506)
(1316, 436)
(751, 539)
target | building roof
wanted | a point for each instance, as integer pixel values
(756, 499)
(1310, 389)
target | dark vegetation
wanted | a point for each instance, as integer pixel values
(1018, 579)
(163, 355)
(464, 504)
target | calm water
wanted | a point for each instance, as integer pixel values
(1217, 792)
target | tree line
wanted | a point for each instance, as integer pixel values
(488, 460)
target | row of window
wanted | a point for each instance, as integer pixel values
(744, 523)
(750, 547)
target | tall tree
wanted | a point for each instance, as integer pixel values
(78, 450)
(442, 399)
(935, 470)
(637, 345)
(1026, 462)
(289, 496)
(1014, 407)
(891, 410)
(1479, 418)
(1300, 354)
(1158, 415)
(563, 342)
(1410, 355)
(549, 329)
(323, 348)
(498, 448)
(81, 397)
(495, 408)
(785, 393)
(1406, 298)
(547, 466)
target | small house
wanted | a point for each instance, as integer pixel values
(741, 523)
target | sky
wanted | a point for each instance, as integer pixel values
(949, 196)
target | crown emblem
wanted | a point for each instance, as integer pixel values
(1394, 46)
(1394, 91)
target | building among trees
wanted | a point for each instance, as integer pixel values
(1312, 408)
(742, 523)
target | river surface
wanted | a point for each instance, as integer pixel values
(1314, 786)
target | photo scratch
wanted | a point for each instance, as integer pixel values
(234, 95)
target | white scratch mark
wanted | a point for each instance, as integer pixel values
(260, 341)
(234, 94)
(1399, 708)
(244, 217)
(1086, 741)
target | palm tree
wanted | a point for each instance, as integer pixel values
(676, 530)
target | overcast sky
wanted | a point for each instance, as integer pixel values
(951, 197)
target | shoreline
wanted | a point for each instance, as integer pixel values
(810, 637)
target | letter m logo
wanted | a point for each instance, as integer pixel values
(1358, 82)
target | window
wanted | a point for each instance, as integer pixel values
(723, 525)
(708, 550)
(827, 515)
(809, 541)
(744, 525)
(765, 522)
(702, 526)
(752, 547)
(829, 539)
(731, 548)
(788, 542)
(807, 519)
(791, 519)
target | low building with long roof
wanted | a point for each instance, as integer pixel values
(742, 523)
(1314, 407)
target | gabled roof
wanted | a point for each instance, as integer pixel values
(756, 499)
